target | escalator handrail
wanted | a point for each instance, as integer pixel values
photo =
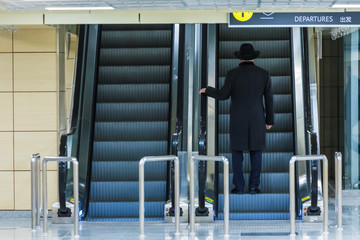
(81, 124)
(175, 144)
(314, 208)
(65, 146)
(87, 118)
(202, 210)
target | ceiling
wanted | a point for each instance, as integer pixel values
(41, 5)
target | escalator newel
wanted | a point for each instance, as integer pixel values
(202, 210)
(63, 211)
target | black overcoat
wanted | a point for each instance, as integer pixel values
(247, 85)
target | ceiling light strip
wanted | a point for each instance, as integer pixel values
(77, 8)
(338, 5)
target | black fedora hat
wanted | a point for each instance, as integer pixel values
(247, 52)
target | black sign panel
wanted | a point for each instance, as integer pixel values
(246, 19)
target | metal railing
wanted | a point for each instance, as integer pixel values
(35, 191)
(142, 190)
(338, 189)
(292, 188)
(226, 190)
(76, 190)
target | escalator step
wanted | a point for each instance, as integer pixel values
(136, 27)
(256, 202)
(128, 151)
(283, 123)
(275, 66)
(271, 162)
(124, 219)
(279, 84)
(135, 39)
(127, 171)
(285, 215)
(275, 142)
(125, 209)
(113, 112)
(133, 74)
(252, 34)
(134, 56)
(282, 104)
(131, 131)
(269, 182)
(268, 49)
(107, 93)
(114, 191)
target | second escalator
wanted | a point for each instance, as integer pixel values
(274, 45)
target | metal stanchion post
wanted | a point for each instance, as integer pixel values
(292, 189)
(141, 197)
(177, 197)
(192, 197)
(338, 189)
(226, 197)
(142, 190)
(33, 192)
(76, 196)
(38, 189)
(76, 191)
(325, 194)
(44, 196)
(292, 197)
(226, 191)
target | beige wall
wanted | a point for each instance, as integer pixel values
(29, 93)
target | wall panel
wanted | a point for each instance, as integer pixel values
(35, 72)
(6, 71)
(7, 187)
(6, 149)
(31, 39)
(6, 110)
(35, 111)
(28, 143)
(6, 40)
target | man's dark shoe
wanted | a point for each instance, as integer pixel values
(254, 190)
(235, 191)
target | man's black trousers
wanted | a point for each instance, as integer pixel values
(237, 164)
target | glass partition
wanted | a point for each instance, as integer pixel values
(351, 108)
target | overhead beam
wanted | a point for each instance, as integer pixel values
(22, 18)
(129, 16)
(92, 17)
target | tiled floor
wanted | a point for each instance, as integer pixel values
(13, 226)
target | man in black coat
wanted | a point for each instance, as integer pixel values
(247, 85)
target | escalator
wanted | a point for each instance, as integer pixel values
(275, 56)
(126, 112)
(131, 119)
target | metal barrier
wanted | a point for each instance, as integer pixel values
(338, 189)
(292, 188)
(76, 190)
(142, 190)
(35, 191)
(226, 190)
